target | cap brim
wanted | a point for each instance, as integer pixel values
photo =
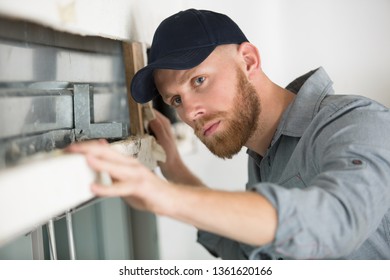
(143, 88)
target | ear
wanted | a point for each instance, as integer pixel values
(250, 56)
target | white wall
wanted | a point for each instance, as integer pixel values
(350, 38)
(178, 240)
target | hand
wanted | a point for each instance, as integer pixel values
(243, 216)
(162, 129)
(132, 181)
(173, 168)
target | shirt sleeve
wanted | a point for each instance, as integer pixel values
(222, 247)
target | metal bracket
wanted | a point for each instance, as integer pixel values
(83, 117)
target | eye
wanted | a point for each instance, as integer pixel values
(176, 101)
(199, 80)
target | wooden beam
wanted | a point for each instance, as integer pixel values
(133, 55)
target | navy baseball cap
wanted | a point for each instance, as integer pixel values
(183, 41)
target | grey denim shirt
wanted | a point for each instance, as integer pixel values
(327, 172)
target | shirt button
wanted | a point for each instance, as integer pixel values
(357, 162)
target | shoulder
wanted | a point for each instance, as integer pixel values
(341, 104)
(352, 119)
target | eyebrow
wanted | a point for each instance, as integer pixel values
(186, 76)
(166, 98)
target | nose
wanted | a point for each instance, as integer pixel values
(193, 108)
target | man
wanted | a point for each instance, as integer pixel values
(319, 164)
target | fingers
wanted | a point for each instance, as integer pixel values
(118, 189)
(102, 158)
(162, 129)
(99, 149)
(160, 123)
(161, 117)
(158, 126)
(131, 180)
(117, 171)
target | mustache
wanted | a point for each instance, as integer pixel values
(199, 123)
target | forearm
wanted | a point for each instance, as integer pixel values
(243, 216)
(180, 174)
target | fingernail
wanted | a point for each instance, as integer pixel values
(103, 141)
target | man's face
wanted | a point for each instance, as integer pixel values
(216, 100)
(240, 121)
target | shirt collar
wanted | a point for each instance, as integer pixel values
(311, 89)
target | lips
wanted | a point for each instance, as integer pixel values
(211, 128)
